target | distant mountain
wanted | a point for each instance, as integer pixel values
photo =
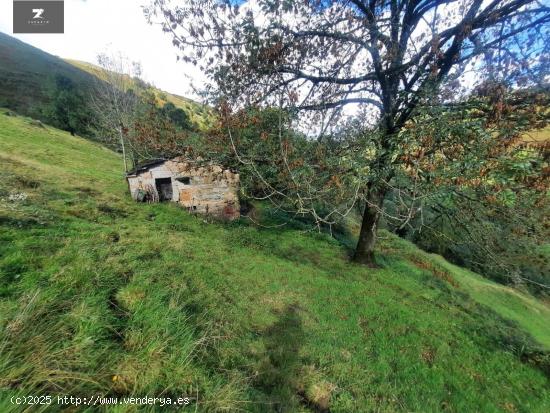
(28, 78)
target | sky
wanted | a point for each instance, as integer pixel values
(95, 26)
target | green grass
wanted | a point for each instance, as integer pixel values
(531, 314)
(104, 296)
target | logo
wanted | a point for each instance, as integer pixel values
(38, 16)
(38, 13)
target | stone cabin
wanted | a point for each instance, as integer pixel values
(204, 189)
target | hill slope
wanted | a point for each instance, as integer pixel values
(27, 77)
(103, 296)
(199, 114)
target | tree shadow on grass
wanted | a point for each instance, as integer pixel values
(280, 365)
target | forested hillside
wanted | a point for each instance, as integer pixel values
(200, 115)
(42, 86)
(28, 78)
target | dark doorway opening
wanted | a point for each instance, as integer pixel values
(164, 188)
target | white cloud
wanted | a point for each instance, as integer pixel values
(93, 26)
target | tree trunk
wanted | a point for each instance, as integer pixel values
(123, 149)
(364, 252)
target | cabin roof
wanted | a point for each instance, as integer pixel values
(145, 167)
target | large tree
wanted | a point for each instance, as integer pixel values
(382, 58)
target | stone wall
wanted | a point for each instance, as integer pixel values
(207, 189)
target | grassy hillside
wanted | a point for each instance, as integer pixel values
(103, 296)
(27, 76)
(199, 115)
